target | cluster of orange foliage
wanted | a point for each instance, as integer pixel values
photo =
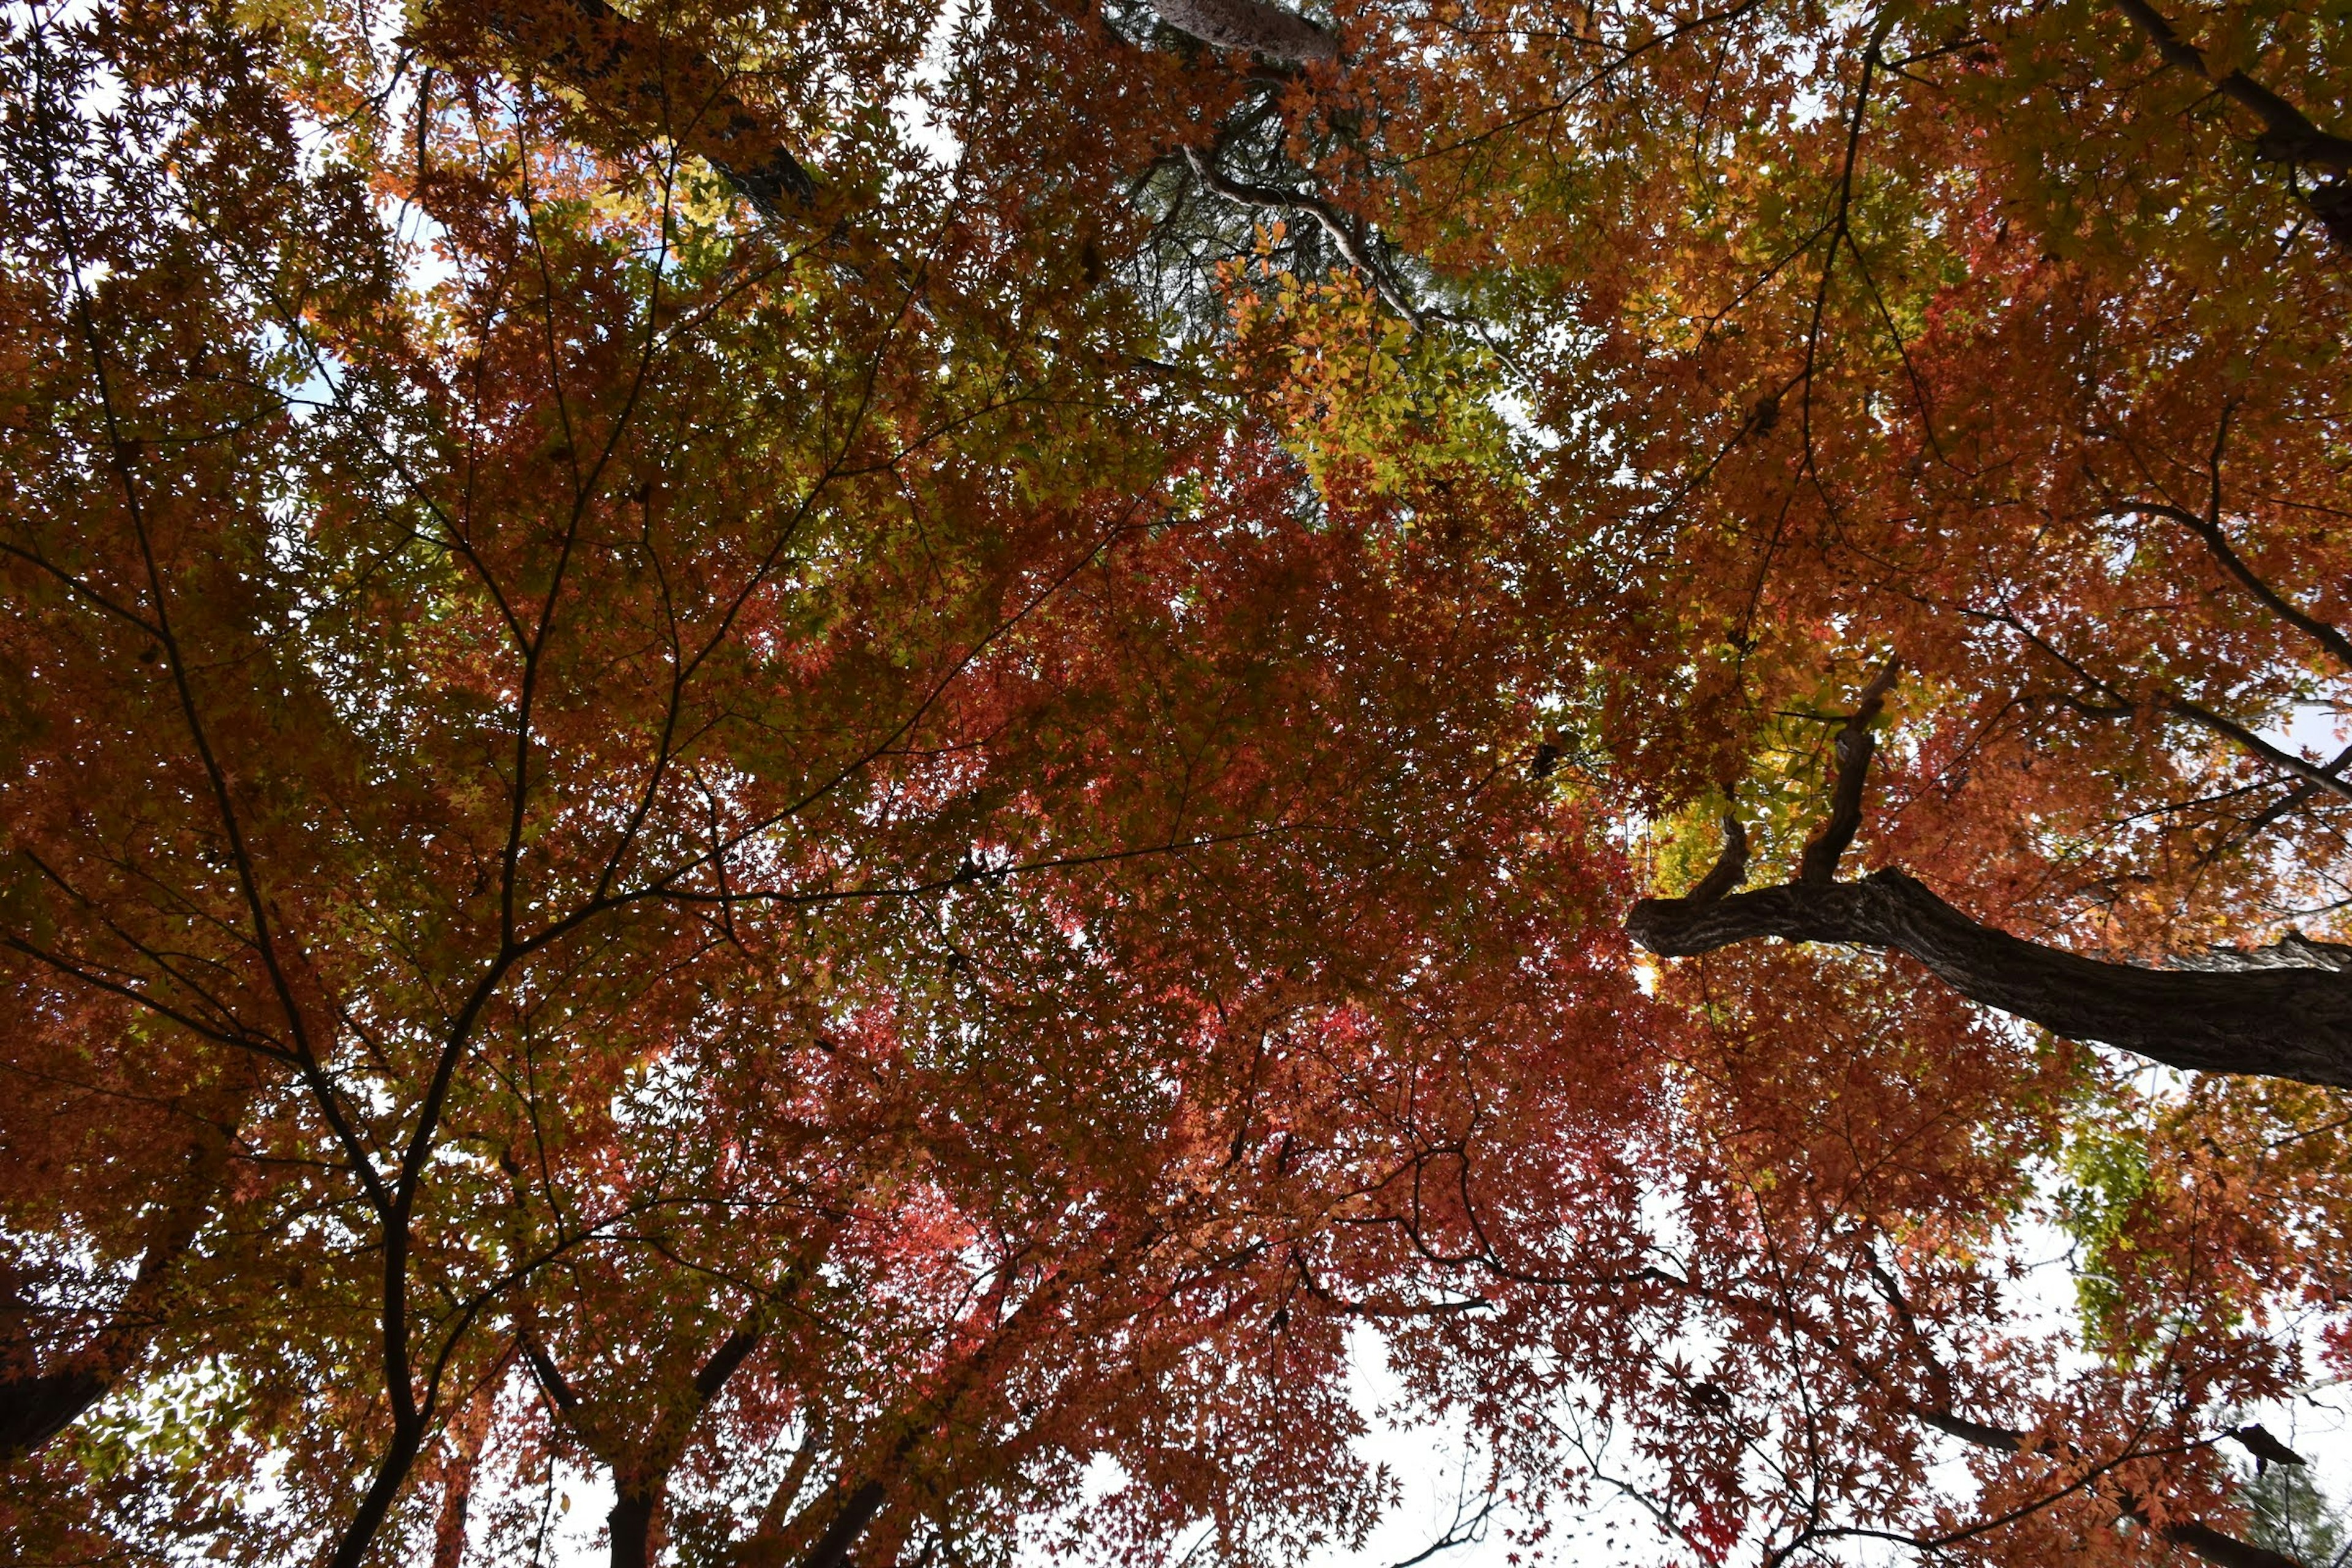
(879, 767)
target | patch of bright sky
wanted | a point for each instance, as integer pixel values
(916, 111)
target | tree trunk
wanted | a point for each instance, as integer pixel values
(466, 1436)
(383, 1488)
(632, 1526)
(2289, 1023)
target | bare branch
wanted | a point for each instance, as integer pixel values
(1343, 230)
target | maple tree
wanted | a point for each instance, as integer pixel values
(458, 874)
(839, 829)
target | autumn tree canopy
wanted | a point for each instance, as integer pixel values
(883, 769)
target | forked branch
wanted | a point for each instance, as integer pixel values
(1346, 233)
(2280, 1020)
(2217, 1547)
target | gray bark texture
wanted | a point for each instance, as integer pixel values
(1251, 25)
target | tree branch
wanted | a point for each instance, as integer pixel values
(2260, 1016)
(2288, 134)
(849, 1521)
(1342, 229)
(1853, 746)
(2274, 1023)
(36, 1408)
(1251, 25)
(2217, 543)
(2222, 1550)
(629, 73)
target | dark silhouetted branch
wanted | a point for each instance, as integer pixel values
(2288, 134)
(37, 1406)
(2215, 1546)
(2257, 1015)
(627, 72)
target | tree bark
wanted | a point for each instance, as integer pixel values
(2289, 1023)
(858, 1511)
(1251, 25)
(36, 1408)
(630, 1525)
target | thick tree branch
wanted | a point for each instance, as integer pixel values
(2226, 1551)
(549, 1376)
(2260, 1016)
(2288, 134)
(724, 1361)
(2274, 1023)
(849, 1521)
(1251, 25)
(37, 1406)
(629, 73)
(642, 1462)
